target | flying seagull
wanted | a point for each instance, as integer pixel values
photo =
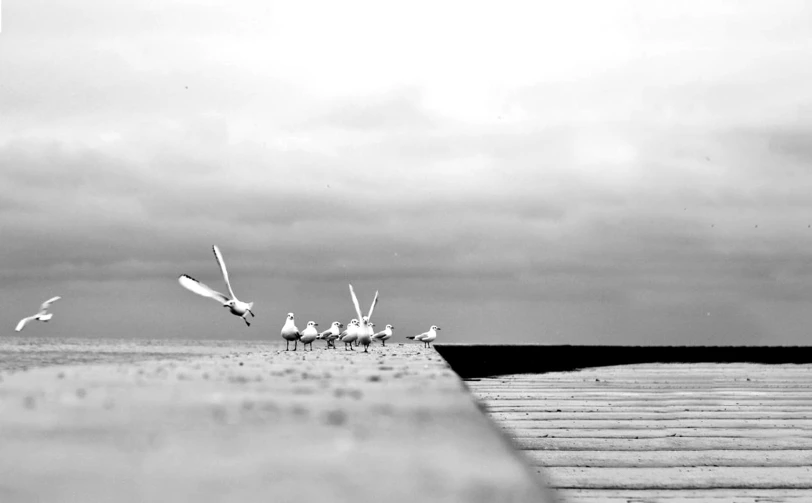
(237, 307)
(42, 315)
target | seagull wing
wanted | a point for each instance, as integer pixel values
(372, 307)
(199, 288)
(375, 336)
(45, 305)
(222, 264)
(22, 323)
(355, 301)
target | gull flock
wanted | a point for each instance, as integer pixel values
(360, 331)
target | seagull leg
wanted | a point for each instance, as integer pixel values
(384, 343)
(287, 346)
(252, 313)
(246, 322)
(295, 344)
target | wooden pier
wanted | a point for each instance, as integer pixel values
(661, 432)
(243, 422)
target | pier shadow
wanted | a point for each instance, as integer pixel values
(484, 360)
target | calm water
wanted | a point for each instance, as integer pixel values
(22, 353)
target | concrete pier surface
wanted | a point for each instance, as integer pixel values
(671, 433)
(159, 421)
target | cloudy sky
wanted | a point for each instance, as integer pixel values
(561, 172)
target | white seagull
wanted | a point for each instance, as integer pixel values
(348, 336)
(42, 315)
(331, 334)
(426, 337)
(237, 307)
(309, 335)
(364, 334)
(384, 335)
(290, 333)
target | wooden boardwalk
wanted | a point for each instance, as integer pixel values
(244, 422)
(662, 432)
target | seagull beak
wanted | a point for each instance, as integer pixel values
(438, 328)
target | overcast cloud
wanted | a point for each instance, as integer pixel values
(561, 172)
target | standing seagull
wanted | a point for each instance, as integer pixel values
(364, 334)
(348, 336)
(237, 307)
(426, 337)
(42, 315)
(309, 335)
(384, 335)
(290, 333)
(331, 334)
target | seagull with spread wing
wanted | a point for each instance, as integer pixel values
(42, 315)
(237, 307)
(364, 332)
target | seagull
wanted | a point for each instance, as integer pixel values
(290, 333)
(331, 334)
(348, 336)
(309, 335)
(426, 337)
(42, 315)
(384, 335)
(364, 334)
(237, 307)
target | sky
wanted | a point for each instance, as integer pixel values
(583, 172)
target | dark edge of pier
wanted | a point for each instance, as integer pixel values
(484, 360)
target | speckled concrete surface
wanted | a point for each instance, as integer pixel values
(249, 422)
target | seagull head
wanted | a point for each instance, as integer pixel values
(312, 324)
(290, 316)
(435, 327)
(337, 324)
(390, 326)
(229, 303)
(353, 322)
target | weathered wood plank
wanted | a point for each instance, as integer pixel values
(570, 423)
(638, 459)
(685, 495)
(662, 444)
(629, 433)
(763, 477)
(676, 405)
(649, 415)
